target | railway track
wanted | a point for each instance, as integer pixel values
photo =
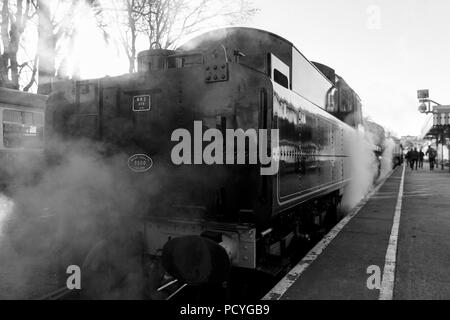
(171, 289)
(59, 294)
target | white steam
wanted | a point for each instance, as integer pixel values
(387, 158)
(81, 201)
(6, 207)
(364, 169)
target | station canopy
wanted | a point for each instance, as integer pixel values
(438, 123)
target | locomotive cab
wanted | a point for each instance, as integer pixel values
(342, 101)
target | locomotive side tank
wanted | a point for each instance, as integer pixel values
(232, 79)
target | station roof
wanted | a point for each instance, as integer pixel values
(20, 98)
(437, 123)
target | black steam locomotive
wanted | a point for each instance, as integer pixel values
(211, 216)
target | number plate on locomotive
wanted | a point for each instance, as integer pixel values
(140, 163)
(142, 103)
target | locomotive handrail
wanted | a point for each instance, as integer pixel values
(185, 54)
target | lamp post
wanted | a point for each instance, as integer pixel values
(424, 99)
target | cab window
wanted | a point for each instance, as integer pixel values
(22, 129)
(280, 78)
(186, 61)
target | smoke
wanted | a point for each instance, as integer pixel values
(6, 207)
(195, 42)
(387, 158)
(83, 201)
(364, 169)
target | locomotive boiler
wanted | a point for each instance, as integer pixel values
(209, 217)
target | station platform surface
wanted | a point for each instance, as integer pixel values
(403, 228)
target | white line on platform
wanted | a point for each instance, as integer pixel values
(281, 288)
(388, 282)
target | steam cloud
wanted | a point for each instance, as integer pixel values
(366, 168)
(83, 201)
(387, 157)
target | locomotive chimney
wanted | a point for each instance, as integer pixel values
(155, 59)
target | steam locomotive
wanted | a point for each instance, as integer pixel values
(211, 217)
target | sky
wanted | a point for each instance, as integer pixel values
(386, 50)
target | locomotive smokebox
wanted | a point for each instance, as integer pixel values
(155, 59)
(196, 260)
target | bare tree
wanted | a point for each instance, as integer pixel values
(168, 21)
(164, 23)
(134, 13)
(129, 24)
(4, 58)
(52, 25)
(46, 48)
(122, 24)
(57, 30)
(15, 16)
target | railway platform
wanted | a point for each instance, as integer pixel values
(400, 235)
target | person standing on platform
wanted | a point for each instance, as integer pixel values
(421, 156)
(414, 159)
(408, 158)
(432, 154)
